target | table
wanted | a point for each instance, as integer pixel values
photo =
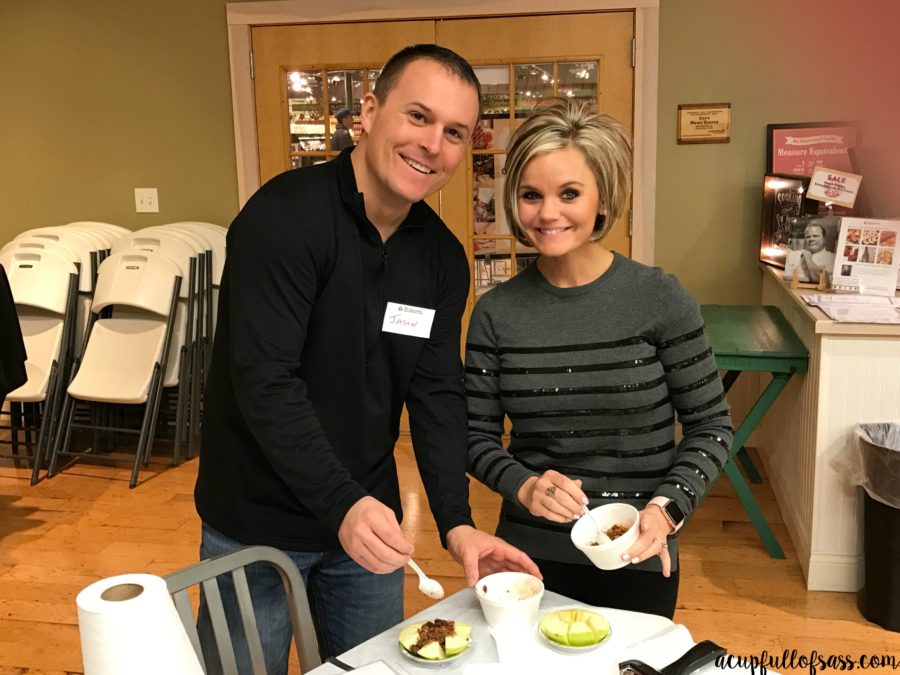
(753, 338)
(635, 636)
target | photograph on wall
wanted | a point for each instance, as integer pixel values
(783, 228)
(797, 149)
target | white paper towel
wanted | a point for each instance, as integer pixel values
(129, 624)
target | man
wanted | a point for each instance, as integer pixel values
(310, 371)
(343, 134)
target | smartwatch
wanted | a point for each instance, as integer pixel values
(671, 511)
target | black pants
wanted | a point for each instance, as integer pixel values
(625, 588)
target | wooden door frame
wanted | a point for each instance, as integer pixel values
(242, 16)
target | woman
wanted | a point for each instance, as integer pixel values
(590, 355)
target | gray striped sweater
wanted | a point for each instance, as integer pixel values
(591, 379)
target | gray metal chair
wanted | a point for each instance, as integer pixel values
(205, 573)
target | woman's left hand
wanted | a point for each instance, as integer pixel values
(653, 540)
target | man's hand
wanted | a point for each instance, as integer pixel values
(371, 535)
(481, 554)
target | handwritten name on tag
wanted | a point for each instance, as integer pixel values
(407, 320)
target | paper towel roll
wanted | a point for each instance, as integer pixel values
(129, 624)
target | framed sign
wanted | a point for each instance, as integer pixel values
(783, 217)
(797, 149)
(704, 123)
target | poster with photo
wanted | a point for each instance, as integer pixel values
(867, 260)
(813, 248)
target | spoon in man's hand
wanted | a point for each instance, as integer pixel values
(427, 585)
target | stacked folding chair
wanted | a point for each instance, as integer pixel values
(124, 357)
(178, 366)
(45, 287)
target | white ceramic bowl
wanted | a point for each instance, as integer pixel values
(510, 599)
(607, 556)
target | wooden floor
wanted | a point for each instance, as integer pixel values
(85, 524)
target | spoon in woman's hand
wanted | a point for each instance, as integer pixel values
(427, 585)
(602, 537)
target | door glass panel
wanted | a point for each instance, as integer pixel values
(534, 84)
(487, 212)
(578, 80)
(492, 263)
(493, 127)
(345, 90)
(306, 111)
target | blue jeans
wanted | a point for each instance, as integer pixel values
(349, 604)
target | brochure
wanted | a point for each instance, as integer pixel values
(857, 308)
(866, 259)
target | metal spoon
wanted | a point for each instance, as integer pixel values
(602, 537)
(427, 585)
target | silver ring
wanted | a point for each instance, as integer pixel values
(662, 542)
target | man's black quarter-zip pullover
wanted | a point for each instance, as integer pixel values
(305, 390)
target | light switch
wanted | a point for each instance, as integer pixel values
(146, 200)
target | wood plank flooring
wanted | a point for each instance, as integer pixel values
(85, 524)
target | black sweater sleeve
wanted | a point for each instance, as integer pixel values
(275, 265)
(437, 404)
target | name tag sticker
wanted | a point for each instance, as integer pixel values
(408, 320)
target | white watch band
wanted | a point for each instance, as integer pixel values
(662, 502)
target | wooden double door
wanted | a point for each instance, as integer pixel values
(304, 74)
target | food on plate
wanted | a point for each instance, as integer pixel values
(436, 640)
(574, 627)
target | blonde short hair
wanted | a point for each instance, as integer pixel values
(604, 142)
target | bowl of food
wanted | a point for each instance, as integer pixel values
(510, 599)
(574, 630)
(620, 523)
(435, 642)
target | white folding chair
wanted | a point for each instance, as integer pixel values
(123, 359)
(178, 366)
(45, 289)
(88, 252)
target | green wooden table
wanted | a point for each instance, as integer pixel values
(750, 338)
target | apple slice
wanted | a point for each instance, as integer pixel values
(432, 651)
(454, 644)
(409, 636)
(461, 629)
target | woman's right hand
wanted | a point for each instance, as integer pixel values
(553, 496)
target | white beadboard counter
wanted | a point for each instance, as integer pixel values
(854, 377)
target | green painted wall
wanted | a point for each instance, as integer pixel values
(775, 61)
(98, 97)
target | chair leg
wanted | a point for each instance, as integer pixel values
(142, 443)
(15, 423)
(63, 436)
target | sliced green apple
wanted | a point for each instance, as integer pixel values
(463, 630)
(574, 628)
(409, 636)
(455, 644)
(432, 651)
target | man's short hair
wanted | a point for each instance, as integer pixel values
(452, 61)
(342, 113)
(603, 141)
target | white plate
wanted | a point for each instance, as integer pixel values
(567, 649)
(438, 662)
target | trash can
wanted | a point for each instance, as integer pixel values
(879, 456)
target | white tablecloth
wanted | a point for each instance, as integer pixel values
(646, 637)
